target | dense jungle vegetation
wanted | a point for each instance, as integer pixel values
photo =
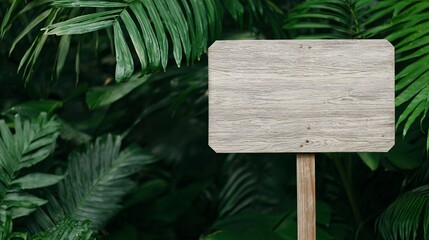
(104, 124)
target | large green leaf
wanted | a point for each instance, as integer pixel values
(136, 39)
(23, 200)
(124, 60)
(84, 24)
(372, 160)
(101, 96)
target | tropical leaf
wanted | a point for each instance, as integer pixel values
(30, 142)
(265, 13)
(327, 19)
(249, 185)
(190, 25)
(34, 108)
(67, 230)
(96, 180)
(372, 160)
(409, 35)
(407, 217)
(237, 193)
(101, 96)
(147, 23)
(36, 180)
(5, 225)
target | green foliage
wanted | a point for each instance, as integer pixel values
(252, 186)
(236, 194)
(409, 35)
(192, 193)
(88, 196)
(67, 230)
(30, 143)
(407, 217)
(327, 19)
(189, 24)
(96, 180)
(101, 96)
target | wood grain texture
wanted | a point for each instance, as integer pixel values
(306, 196)
(301, 96)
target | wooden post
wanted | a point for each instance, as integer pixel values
(306, 196)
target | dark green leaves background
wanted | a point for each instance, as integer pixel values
(104, 130)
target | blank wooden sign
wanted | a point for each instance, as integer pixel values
(301, 96)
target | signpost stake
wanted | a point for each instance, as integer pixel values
(306, 196)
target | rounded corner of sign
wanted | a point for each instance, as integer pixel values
(388, 43)
(387, 146)
(214, 45)
(215, 148)
(390, 146)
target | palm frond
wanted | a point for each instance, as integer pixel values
(407, 217)
(409, 32)
(264, 13)
(31, 142)
(6, 230)
(238, 192)
(249, 186)
(327, 19)
(67, 230)
(189, 23)
(96, 180)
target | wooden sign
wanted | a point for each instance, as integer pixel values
(301, 96)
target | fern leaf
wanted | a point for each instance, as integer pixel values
(96, 181)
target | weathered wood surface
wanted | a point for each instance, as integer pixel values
(301, 96)
(306, 196)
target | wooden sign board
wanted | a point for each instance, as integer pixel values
(301, 96)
